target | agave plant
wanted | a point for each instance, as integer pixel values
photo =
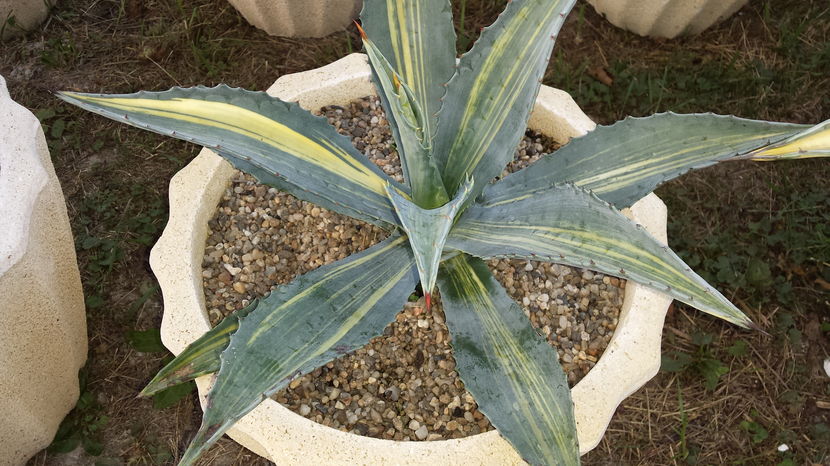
(456, 125)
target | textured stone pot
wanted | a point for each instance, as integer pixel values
(273, 431)
(666, 18)
(26, 13)
(299, 18)
(42, 321)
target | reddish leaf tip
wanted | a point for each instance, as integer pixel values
(360, 29)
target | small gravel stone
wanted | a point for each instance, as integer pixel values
(403, 384)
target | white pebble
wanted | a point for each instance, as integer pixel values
(231, 269)
(304, 410)
(422, 433)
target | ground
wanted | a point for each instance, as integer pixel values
(759, 232)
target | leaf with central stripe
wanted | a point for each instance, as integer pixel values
(507, 366)
(568, 225)
(418, 39)
(489, 99)
(427, 231)
(623, 162)
(414, 146)
(323, 314)
(810, 143)
(279, 138)
(200, 357)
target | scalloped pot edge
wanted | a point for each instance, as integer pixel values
(273, 431)
(666, 18)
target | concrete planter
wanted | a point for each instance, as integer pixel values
(26, 13)
(666, 18)
(632, 357)
(299, 18)
(43, 339)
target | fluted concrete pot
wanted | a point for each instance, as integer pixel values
(299, 18)
(27, 15)
(273, 431)
(666, 18)
(43, 339)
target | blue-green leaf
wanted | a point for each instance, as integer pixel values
(623, 162)
(418, 38)
(325, 313)
(414, 145)
(427, 231)
(489, 99)
(275, 139)
(510, 369)
(568, 225)
(200, 357)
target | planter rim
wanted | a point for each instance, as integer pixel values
(273, 431)
(666, 18)
(21, 178)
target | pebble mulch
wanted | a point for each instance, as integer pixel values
(403, 384)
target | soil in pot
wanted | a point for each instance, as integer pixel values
(402, 385)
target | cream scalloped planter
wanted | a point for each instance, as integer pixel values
(42, 319)
(298, 18)
(273, 431)
(666, 18)
(27, 14)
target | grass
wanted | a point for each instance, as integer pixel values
(758, 231)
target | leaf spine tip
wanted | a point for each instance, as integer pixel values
(360, 29)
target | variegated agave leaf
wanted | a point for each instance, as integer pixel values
(414, 144)
(810, 143)
(200, 357)
(325, 313)
(282, 142)
(427, 231)
(623, 162)
(506, 365)
(490, 97)
(568, 225)
(418, 39)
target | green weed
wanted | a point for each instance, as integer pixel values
(702, 361)
(60, 126)
(756, 431)
(765, 253)
(81, 427)
(687, 452)
(107, 224)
